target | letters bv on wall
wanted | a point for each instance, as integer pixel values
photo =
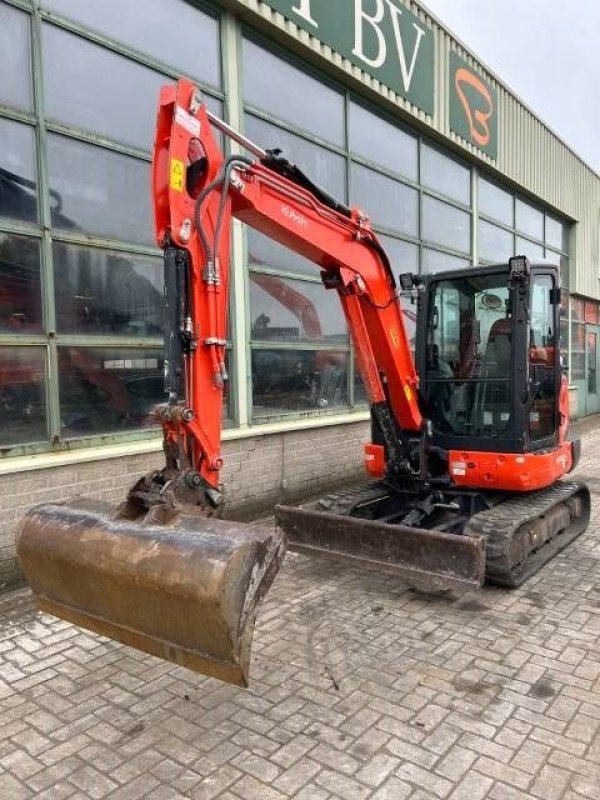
(381, 37)
(473, 106)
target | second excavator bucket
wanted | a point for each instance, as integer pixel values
(187, 591)
(425, 557)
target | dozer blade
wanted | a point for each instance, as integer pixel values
(187, 592)
(415, 554)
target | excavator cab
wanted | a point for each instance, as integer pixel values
(489, 358)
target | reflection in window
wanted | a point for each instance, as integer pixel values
(446, 225)
(15, 88)
(557, 234)
(560, 261)
(284, 309)
(288, 93)
(265, 252)
(403, 256)
(108, 390)
(17, 172)
(287, 381)
(445, 176)
(530, 220)
(436, 261)
(190, 43)
(523, 247)
(20, 292)
(22, 395)
(495, 202)
(383, 143)
(388, 203)
(324, 168)
(106, 292)
(79, 86)
(98, 191)
(493, 243)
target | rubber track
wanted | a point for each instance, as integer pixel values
(343, 503)
(499, 524)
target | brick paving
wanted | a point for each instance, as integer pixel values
(362, 687)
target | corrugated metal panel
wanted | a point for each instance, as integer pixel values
(529, 154)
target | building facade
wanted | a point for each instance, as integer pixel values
(374, 99)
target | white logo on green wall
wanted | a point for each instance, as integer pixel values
(380, 36)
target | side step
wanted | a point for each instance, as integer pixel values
(187, 592)
(412, 553)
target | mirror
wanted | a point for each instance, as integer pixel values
(491, 302)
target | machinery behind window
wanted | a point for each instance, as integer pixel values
(469, 436)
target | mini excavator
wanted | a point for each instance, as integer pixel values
(469, 435)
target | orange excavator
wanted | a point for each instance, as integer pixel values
(469, 437)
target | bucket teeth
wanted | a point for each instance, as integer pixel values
(187, 592)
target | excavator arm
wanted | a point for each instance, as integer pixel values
(197, 194)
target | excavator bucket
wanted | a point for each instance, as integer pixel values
(425, 557)
(187, 591)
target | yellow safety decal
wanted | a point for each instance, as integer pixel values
(395, 337)
(176, 175)
(408, 393)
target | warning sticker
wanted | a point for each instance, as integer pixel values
(176, 175)
(187, 121)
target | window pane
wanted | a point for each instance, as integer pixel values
(172, 31)
(287, 381)
(79, 83)
(22, 395)
(445, 176)
(403, 256)
(435, 261)
(266, 252)
(565, 278)
(290, 94)
(104, 390)
(323, 167)
(557, 234)
(98, 191)
(386, 202)
(494, 244)
(523, 247)
(99, 291)
(15, 85)
(530, 220)
(495, 202)
(20, 293)
(17, 171)
(286, 310)
(446, 225)
(377, 140)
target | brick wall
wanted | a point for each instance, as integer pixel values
(259, 472)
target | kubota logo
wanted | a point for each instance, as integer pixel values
(477, 103)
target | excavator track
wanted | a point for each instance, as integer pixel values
(515, 538)
(345, 502)
(525, 532)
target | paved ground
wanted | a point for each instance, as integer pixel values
(361, 688)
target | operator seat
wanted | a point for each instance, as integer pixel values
(498, 349)
(497, 367)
